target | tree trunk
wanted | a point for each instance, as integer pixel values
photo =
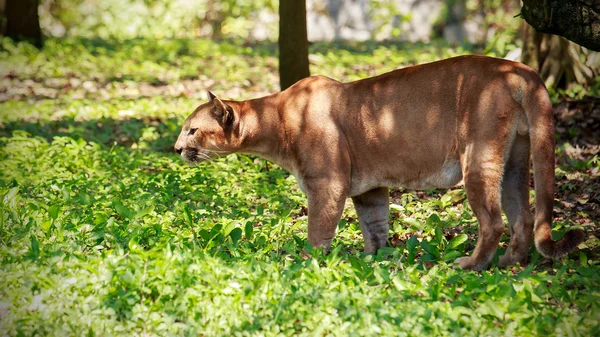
(559, 62)
(577, 20)
(22, 21)
(293, 42)
(531, 46)
(215, 16)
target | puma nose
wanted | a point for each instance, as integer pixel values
(178, 149)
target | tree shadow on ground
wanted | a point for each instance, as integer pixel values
(185, 46)
(368, 47)
(578, 142)
(168, 50)
(154, 134)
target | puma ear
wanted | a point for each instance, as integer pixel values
(229, 118)
(219, 107)
(223, 111)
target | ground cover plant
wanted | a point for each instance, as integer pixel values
(105, 231)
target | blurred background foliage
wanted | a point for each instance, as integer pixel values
(489, 27)
(248, 19)
(125, 19)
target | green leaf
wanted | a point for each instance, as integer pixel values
(122, 210)
(429, 248)
(66, 194)
(248, 230)
(53, 211)
(414, 223)
(215, 231)
(235, 235)
(46, 225)
(187, 214)
(433, 221)
(583, 258)
(451, 255)
(446, 199)
(411, 245)
(133, 243)
(204, 234)
(396, 207)
(10, 196)
(356, 264)
(439, 235)
(144, 211)
(456, 241)
(127, 277)
(385, 251)
(35, 247)
(84, 198)
(518, 287)
(491, 308)
(457, 195)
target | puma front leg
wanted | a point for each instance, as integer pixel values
(325, 205)
(372, 208)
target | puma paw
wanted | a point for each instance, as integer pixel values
(469, 263)
(509, 260)
(505, 261)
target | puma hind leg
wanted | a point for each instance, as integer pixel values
(515, 203)
(482, 171)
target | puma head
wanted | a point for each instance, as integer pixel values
(209, 131)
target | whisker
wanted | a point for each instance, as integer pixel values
(216, 152)
(205, 156)
(202, 155)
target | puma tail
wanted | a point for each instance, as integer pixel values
(538, 110)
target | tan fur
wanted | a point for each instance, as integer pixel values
(468, 118)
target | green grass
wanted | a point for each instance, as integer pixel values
(105, 232)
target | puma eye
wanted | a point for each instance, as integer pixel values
(192, 131)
